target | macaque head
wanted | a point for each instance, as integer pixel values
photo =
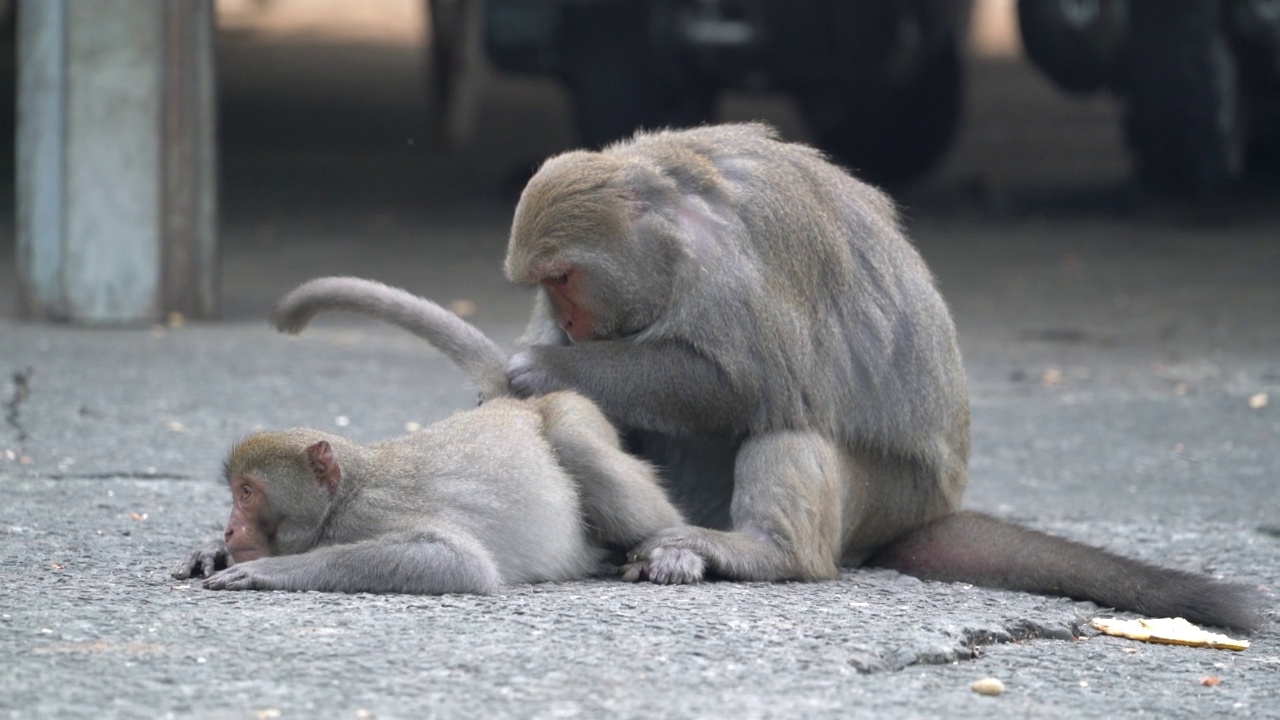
(599, 234)
(282, 484)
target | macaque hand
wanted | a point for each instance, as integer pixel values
(664, 564)
(203, 561)
(528, 376)
(252, 575)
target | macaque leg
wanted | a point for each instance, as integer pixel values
(621, 496)
(786, 509)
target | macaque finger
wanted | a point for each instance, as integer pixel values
(235, 578)
(524, 375)
(208, 565)
(215, 560)
(201, 561)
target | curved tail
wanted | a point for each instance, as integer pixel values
(981, 550)
(458, 339)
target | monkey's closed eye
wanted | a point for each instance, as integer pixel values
(561, 279)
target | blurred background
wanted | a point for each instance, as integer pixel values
(346, 118)
(1102, 220)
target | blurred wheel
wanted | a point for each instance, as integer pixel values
(1263, 154)
(1072, 41)
(1254, 31)
(616, 82)
(892, 133)
(445, 47)
(454, 68)
(1186, 119)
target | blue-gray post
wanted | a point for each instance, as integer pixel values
(116, 187)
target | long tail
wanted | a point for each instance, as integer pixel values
(982, 550)
(458, 339)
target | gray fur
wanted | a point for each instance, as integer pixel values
(515, 491)
(741, 294)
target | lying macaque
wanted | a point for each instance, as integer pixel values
(514, 491)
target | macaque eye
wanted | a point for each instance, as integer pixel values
(561, 279)
(245, 491)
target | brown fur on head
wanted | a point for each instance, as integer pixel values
(602, 234)
(573, 196)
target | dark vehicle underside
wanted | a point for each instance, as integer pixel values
(880, 81)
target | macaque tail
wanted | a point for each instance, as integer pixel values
(981, 550)
(458, 339)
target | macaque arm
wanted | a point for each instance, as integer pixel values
(661, 385)
(204, 560)
(425, 563)
(786, 513)
(622, 499)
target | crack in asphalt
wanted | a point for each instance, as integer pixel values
(21, 383)
(13, 405)
(963, 645)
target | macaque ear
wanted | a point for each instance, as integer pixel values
(702, 226)
(644, 187)
(324, 466)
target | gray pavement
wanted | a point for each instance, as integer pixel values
(1113, 345)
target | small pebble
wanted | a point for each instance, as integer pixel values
(987, 686)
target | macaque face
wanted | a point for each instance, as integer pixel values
(251, 525)
(565, 290)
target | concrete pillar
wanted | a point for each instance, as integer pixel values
(117, 201)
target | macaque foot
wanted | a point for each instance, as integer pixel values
(664, 562)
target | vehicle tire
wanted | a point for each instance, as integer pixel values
(1254, 33)
(1186, 121)
(455, 74)
(888, 134)
(1263, 154)
(445, 46)
(615, 78)
(1072, 41)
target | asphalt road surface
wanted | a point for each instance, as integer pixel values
(1124, 362)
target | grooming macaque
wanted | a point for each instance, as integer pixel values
(514, 491)
(755, 321)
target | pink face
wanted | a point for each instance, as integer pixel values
(247, 531)
(565, 293)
